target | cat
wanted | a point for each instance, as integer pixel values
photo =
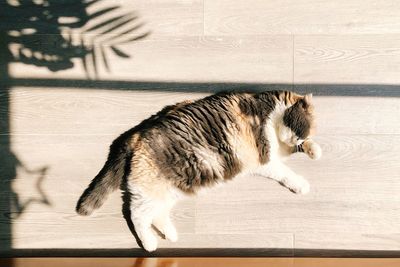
(197, 144)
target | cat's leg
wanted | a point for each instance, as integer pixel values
(311, 148)
(278, 171)
(162, 221)
(143, 210)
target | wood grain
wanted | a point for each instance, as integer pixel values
(62, 111)
(69, 131)
(350, 189)
(162, 17)
(337, 59)
(197, 262)
(301, 17)
(70, 111)
(59, 135)
(343, 199)
(190, 58)
(170, 17)
(348, 241)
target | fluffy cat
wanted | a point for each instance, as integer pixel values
(196, 144)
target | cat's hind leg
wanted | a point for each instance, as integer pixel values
(143, 209)
(162, 220)
(278, 171)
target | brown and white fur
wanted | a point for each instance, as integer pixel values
(192, 145)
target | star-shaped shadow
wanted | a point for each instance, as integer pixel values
(27, 190)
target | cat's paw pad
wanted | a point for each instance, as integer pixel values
(300, 187)
(150, 243)
(314, 151)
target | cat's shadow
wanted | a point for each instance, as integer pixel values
(126, 210)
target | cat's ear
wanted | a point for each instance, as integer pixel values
(307, 103)
(308, 98)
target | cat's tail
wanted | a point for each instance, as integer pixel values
(108, 179)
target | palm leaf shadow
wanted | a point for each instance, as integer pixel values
(52, 33)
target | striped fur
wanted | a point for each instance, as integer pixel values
(192, 145)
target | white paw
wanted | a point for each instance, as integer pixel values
(314, 151)
(299, 186)
(304, 188)
(150, 242)
(170, 233)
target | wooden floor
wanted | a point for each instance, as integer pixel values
(198, 262)
(57, 126)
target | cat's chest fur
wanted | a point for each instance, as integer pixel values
(278, 151)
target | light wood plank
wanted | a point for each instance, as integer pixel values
(356, 115)
(204, 262)
(301, 17)
(276, 241)
(36, 229)
(111, 112)
(165, 17)
(350, 193)
(56, 225)
(71, 111)
(160, 17)
(353, 204)
(347, 59)
(172, 17)
(266, 59)
(353, 189)
(347, 241)
(69, 171)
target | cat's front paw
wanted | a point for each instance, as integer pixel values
(304, 188)
(299, 185)
(313, 150)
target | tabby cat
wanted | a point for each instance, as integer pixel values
(196, 144)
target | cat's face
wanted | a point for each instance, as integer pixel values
(298, 122)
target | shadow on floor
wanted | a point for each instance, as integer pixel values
(50, 34)
(205, 252)
(358, 90)
(31, 33)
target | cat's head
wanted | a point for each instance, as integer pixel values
(298, 121)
